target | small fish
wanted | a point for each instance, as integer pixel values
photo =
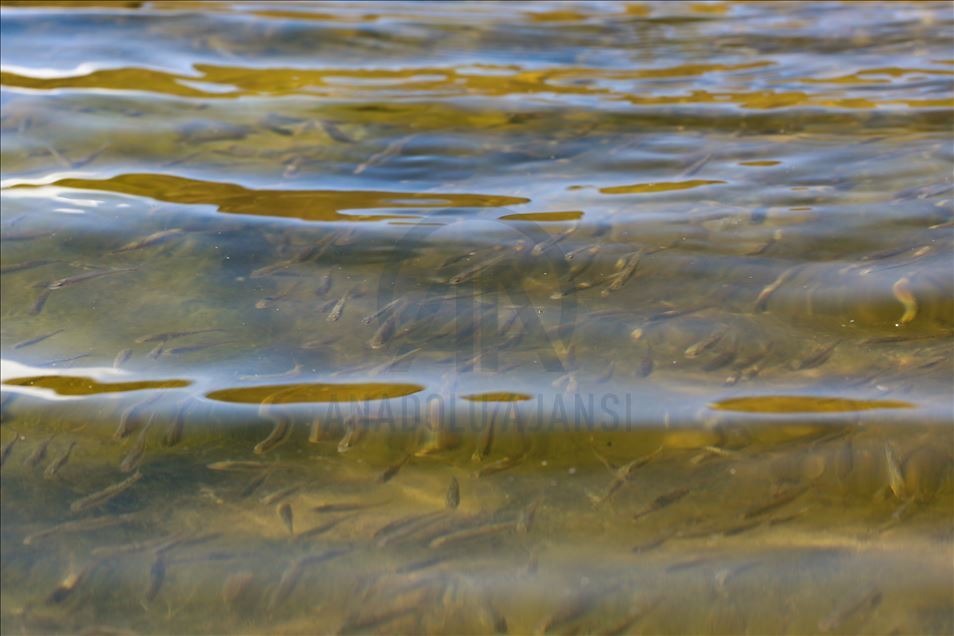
(570, 357)
(134, 458)
(85, 159)
(902, 338)
(663, 501)
(527, 516)
(502, 464)
(624, 472)
(696, 165)
(895, 477)
(744, 373)
(270, 301)
(902, 292)
(317, 433)
(407, 528)
(338, 309)
(57, 464)
(40, 301)
(391, 150)
(720, 361)
(292, 166)
(275, 267)
(473, 272)
(153, 239)
(238, 465)
(121, 358)
(319, 343)
(761, 302)
(474, 532)
(370, 623)
(56, 361)
(342, 507)
(175, 351)
(759, 250)
(621, 277)
(778, 501)
(815, 358)
(157, 351)
(157, 574)
(39, 453)
(650, 545)
(276, 123)
(285, 513)
(6, 399)
(112, 551)
(24, 235)
(69, 281)
(723, 575)
(918, 192)
(302, 257)
(82, 525)
(389, 309)
(8, 449)
(570, 610)
(689, 564)
(391, 364)
(452, 498)
(295, 371)
(207, 131)
(172, 335)
(566, 290)
(607, 373)
(646, 364)
(278, 495)
(293, 572)
(701, 346)
(105, 495)
(750, 367)
(58, 156)
(254, 484)
(213, 555)
(25, 265)
(625, 626)
(486, 441)
(69, 584)
(235, 587)
(544, 245)
(323, 286)
(323, 528)
(453, 260)
(586, 250)
(129, 419)
(422, 564)
(352, 436)
(279, 434)
(869, 601)
(332, 130)
(393, 469)
(181, 539)
(174, 435)
(384, 334)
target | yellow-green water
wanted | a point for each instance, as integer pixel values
(461, 318)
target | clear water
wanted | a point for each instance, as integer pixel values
(665, 288)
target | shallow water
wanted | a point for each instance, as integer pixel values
(477, 318)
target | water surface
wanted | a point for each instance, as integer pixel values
(552, 317)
